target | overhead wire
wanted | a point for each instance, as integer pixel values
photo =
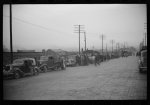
(42, 27)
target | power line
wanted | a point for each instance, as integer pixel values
(42, 27)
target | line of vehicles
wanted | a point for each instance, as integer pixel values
(29, 66)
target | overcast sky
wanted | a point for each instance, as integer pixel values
(52, 26)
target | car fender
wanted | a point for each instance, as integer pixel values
(19, 71)
(42, 66)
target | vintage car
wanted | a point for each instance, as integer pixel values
(51, 63)
(20, 68)
(143, 61)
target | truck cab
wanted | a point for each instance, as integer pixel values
(51, 63)
(143, 61)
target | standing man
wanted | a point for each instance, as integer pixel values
(78, 60)
(96, 59)
(85, 60)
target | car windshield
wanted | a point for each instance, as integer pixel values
(18, 61)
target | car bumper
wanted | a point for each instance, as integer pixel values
(143, 68)
(10, 75)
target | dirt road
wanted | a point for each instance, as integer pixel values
(114, 79)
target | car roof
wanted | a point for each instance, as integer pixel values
(25, 59)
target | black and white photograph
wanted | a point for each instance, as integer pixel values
(74, 51)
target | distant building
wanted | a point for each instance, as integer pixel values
(25, 50)
(60, 52)
(50, 52)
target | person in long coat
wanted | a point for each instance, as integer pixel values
(78, 60)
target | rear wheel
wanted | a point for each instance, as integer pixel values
(17, 75)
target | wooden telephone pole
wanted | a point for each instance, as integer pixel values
(112, 42)
(11, 47)
(145, 27)
(102, 37)
(85, 39)
(79, 31)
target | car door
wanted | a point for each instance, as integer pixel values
(144, 58)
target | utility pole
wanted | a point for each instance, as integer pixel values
(116, 47)
(143, 41)
(112, 42)
(102, 37)
(11, 48)
(93, 47)
(106, 51)
(102, 44)
(93, 50)
(85, 39)
(145, 38)
(145, 27)
(106, 48)
(79, 31)
(124, 46)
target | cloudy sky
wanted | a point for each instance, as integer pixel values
(52, 26)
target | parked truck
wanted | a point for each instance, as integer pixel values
(50, 62)
(143, 60)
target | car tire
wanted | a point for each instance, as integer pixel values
(17, 75)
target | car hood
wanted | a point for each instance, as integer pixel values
(17, 64)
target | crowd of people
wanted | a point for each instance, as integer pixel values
(97, 58)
